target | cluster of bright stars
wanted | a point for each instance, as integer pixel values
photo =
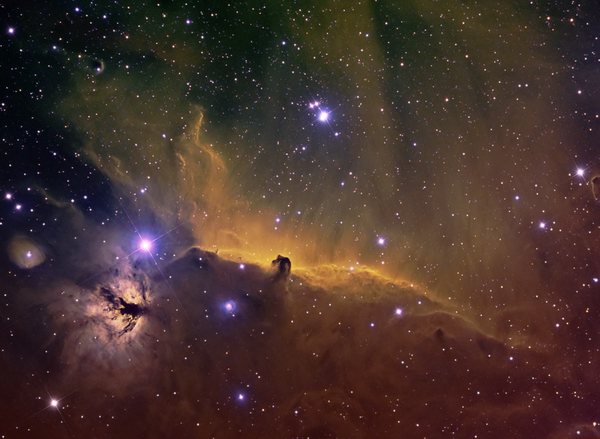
(323, 115)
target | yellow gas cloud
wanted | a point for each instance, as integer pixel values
(25, 252)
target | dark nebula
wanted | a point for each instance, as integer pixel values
(431, 169)
(595, 183)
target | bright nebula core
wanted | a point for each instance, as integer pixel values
(290, 219)
(229, 306)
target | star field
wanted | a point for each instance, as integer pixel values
(299, 219)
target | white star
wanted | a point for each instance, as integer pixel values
(145, 245)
